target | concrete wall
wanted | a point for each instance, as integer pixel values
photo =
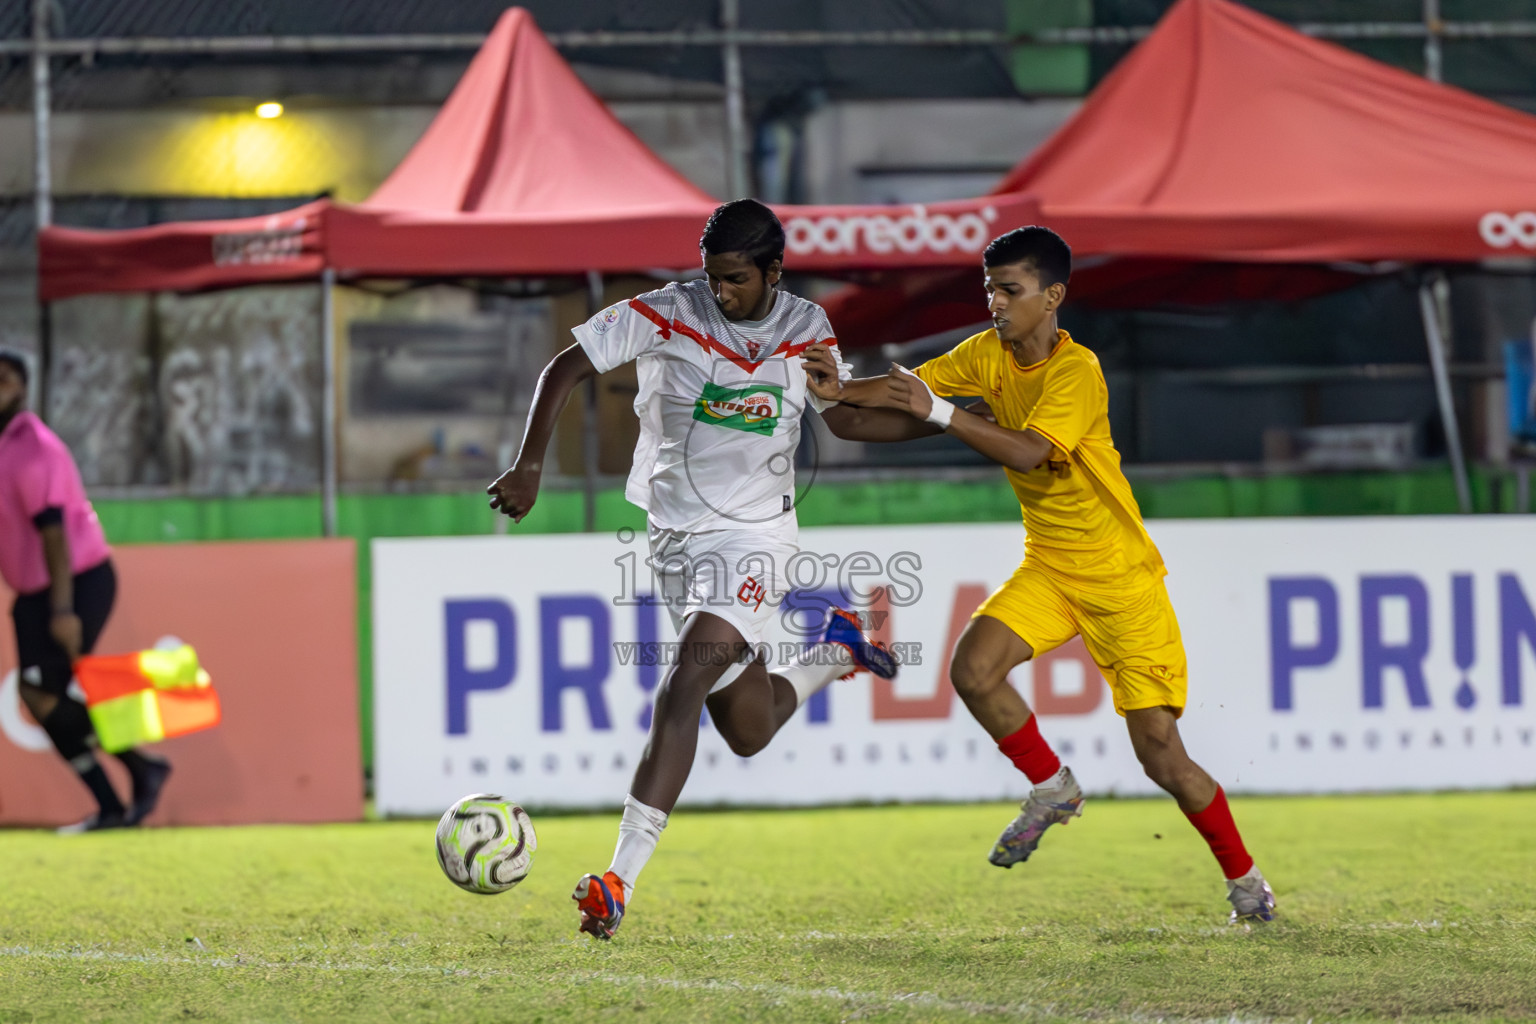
(346, 151)
(923, 150)
(852, 152)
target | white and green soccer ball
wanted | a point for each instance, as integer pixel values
(485, 844)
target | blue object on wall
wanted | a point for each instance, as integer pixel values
(1518, 375)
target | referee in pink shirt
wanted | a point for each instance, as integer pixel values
(54, 555)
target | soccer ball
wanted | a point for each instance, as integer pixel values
(485, 844)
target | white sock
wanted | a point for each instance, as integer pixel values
(1253, 875)
(639, 829)
(1056, 781)
(810, 671)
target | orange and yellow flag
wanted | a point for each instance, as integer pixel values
(146, 697)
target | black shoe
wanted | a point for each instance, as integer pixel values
(95, 823)
(147, 785)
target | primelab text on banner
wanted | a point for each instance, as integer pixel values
(1324, 655)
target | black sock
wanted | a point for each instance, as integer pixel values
(69, 726)
(137, 762)
(141, 767)
(97, 782)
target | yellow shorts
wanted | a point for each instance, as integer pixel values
(1133, 636)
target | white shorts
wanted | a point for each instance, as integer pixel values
(735, 574)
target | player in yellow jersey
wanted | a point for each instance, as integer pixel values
(1089, 567)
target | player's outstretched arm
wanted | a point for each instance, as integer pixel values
(1019, 450)
(857, 423)
(858, 417)
(515, 491)
(825, 382)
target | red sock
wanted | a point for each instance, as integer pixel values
(1220, 831)
(1030, 753)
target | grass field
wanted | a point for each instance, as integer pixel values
(1392, 908)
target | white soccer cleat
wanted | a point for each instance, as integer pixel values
(1039, 811)
(1251, 897)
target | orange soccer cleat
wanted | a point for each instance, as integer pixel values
(601, 902)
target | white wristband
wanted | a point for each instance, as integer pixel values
(942, 411)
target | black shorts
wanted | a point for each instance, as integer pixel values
(40, 658)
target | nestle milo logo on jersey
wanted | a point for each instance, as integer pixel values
(754, 409)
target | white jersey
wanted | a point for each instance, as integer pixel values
(719, 404)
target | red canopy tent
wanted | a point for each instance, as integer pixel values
(523, 172)
(1231, 157)
(1227, 135)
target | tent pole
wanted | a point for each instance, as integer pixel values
(1433, 27)
(1434, 307)
(328, 469)
(589, 426)
(42, 106)
(736, 183)
(42, 181)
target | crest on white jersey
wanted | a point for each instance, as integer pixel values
(606, 319)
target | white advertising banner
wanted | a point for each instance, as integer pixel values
(1325, 655)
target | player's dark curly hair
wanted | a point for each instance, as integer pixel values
(1040, 249)
(744, 225)
(16, 361)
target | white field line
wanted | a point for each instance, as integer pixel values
(877, 1001)
(923, 999)
(1221, 931)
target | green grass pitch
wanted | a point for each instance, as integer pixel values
(1392, 908)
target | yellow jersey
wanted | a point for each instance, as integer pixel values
(1081, 521)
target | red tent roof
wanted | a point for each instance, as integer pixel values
(522, 172)
(183, 256)
(519, 133)
(1227, 135)
(1231, 157)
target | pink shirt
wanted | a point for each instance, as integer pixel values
(38, 473)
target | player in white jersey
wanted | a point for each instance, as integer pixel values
(722, 390)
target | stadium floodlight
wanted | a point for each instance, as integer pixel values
(269, 109)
